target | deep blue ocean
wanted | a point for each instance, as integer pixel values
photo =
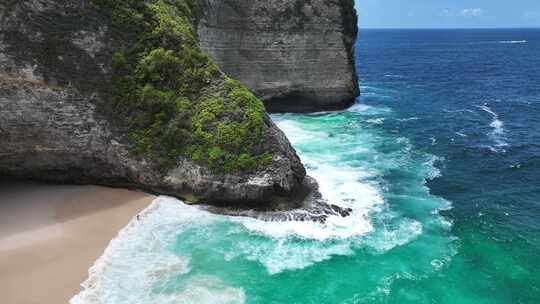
(439, 161)
(471, 98)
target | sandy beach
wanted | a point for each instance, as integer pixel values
(51, 234)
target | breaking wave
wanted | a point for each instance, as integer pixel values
(498, 132)
(139, 263)
(512, 41)
(177, 253)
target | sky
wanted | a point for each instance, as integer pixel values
(448, 13)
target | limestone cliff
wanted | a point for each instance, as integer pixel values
(297, 55)
(119, 93)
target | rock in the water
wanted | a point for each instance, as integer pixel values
(297, 55)
(313, 208)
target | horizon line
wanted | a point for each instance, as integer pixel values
(446, 28)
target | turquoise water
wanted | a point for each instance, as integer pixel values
(439, 162)
(395, 236)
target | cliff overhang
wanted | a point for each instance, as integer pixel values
(119, 93)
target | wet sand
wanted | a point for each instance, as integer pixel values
(51, 234)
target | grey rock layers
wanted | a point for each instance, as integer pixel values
(51, 60)
(297, 55)
(54, 133)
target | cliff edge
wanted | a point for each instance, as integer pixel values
(120, 93)
(296, 55)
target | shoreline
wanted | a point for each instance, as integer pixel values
(50, 235)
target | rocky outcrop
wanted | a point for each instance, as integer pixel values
(119, 93)
(86, 99)
(54, 133)
(297, 55)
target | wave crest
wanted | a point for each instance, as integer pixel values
(498, 132)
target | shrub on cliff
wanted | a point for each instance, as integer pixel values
(172, 97)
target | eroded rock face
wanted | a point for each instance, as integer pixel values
(53, 57)
(55, 134)
(57, 125)
(297, 55)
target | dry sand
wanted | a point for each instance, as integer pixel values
(51, 234)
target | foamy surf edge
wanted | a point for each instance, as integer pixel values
(89, 287)
(138, 258)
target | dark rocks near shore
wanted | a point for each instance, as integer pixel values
(312, 208)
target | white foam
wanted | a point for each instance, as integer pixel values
(296, 245)
(376, 121)
(432, 171)
(408, 119)
(374, 95)
(498, 131)
(359, 107)
(368, 110)
(296, 134)
(282, 254)
(496, 124)
(500, 42)
(139, 260)
(387, 239)
(512, 41)
(340, 185)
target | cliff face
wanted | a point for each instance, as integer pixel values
(119, 93)
(297, 55)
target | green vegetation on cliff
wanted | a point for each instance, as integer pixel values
(172, 97)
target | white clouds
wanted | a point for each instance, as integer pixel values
(472, 12)
(446, 13)
(466, 12)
